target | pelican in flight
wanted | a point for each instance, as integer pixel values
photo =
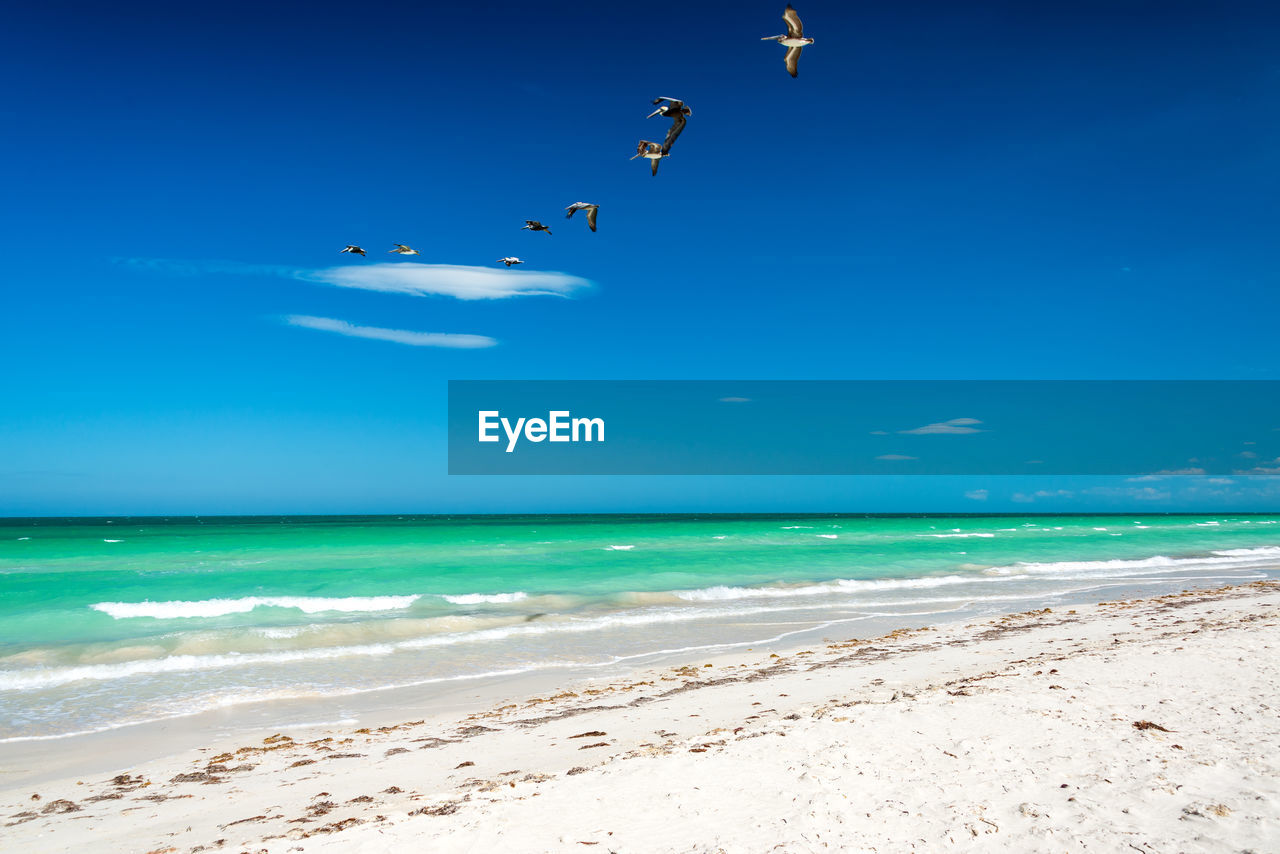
(353, 249)
(534, 225)
(794, 40)
(584, 206)
(652, 150)
(678, 112)
(509, 261)
(401, 249)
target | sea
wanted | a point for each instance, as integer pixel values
(109, 623)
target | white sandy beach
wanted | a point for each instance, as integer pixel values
(1149, 725)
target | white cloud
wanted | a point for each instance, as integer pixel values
(454, 280)
(977, 494)
(895, 457)
(398, 336)
(735, 400)
(955, 425)
(466, 283)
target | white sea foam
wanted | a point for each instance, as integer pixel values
(843, 585)
(983, 535)
(485, 598)
(113, 541)
(1230, 557)
(50, 677)
(173, 610)
(618, 548)
(829, 536)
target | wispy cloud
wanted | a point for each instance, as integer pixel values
(977, 494)
(735, 400)
(453, 280)
(955, 425)
(895, 457)
(397, 336)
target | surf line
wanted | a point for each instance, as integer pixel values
(558, 426)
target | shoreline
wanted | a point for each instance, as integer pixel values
(44, 758)
(661, 718)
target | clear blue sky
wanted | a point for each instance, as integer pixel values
(989, 190)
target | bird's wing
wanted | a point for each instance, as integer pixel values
(655, 161)
(591, 217)
(795, 29)
(678, 121)
(674, 101)
(572, 209)
(793, 60)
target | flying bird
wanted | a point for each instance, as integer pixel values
(584, 206)
(509, 261)
(353, 249)
(678, 112)
(401, 249)
(534, 225)
(794, 40)
(651, 150)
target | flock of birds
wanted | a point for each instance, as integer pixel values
(678, 111)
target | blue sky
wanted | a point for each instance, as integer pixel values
(1002, 191)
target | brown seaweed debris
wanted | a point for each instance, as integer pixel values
(1149, 725)
(597, 744)
(595, 733)
(60, 806)
(447, 808)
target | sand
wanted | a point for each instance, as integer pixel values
(1150, 725)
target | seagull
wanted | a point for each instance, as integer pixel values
(584, 206)
(353, 249)
(678, 113)
(652, 150)
(509, 261)
(401, 249)
(534, 225)
(794, 40)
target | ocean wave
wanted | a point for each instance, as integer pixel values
(1228, 557)
(940, 536)
(618, 548)
(174, 610)
(843, 585)
(51, 677)
(484, 598)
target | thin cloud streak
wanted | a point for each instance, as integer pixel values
(396, 336)
(955, 426)
(454, 280)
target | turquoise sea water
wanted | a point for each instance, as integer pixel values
(107, 622)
